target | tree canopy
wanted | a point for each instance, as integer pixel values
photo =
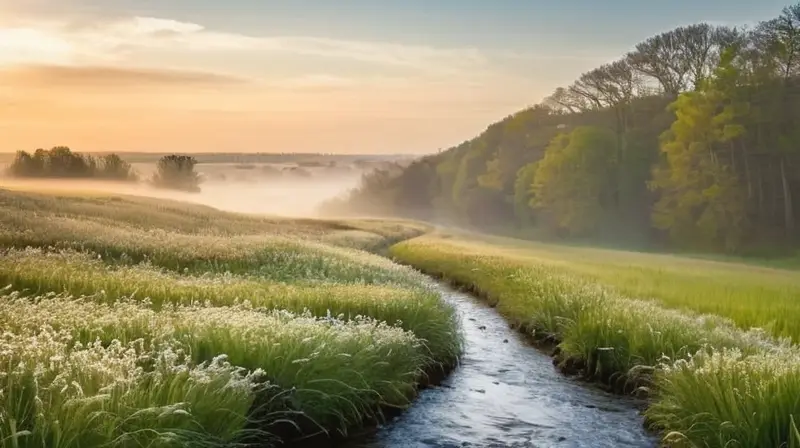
(177, 172)
(62, 162)
(691, 139)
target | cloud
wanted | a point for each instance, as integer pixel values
(20, 45)
(318, 82)
(131, 39)
(538, 57)
(152, 25)
(99, 76)
(376, 52)
(148, 31)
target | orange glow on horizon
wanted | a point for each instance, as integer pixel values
(144, 84)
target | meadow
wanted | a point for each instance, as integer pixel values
(130, 321)
(711, 344)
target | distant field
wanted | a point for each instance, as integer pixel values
(631, 320)
(751, 294)
(162, 323)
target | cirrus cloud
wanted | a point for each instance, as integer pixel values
(100, 76)
(128, 38)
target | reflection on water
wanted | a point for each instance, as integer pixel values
(506, 393)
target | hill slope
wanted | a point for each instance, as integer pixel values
(689, 141)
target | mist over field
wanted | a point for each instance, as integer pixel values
(260, 190)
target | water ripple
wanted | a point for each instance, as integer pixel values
(505, 393)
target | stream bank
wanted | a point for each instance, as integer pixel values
(506, 393)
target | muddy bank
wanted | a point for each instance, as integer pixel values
(506, 393)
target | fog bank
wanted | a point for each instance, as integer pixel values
(294, 197)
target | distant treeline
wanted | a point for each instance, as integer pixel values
(61, 162)
(250, 158)
(692, 139)
(173, 171)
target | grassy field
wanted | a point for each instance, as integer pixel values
(128, 321)
(140, 322)
(749, 295)
(712, 342)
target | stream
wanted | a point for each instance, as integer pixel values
(506, 393)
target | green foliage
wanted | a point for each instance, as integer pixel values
(740, 85)
(517, 148)
(61, 162)
(702, 200)
(523, 192)
(474, 204)
(418, 310)
(177, 172)
(115, 168)
(573, 183)
(466, 180)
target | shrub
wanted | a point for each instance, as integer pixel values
(177, 172)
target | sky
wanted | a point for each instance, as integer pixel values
(345, 76)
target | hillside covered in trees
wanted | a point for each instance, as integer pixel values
(690, 140)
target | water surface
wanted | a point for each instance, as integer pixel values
(506, 393)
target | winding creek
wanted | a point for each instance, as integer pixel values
(506, 393)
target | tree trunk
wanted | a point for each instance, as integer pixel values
(788, 212)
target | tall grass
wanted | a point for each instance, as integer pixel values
(726, 398)
(148, 214)
(751, 296)
(711, 383)
(58, 393)
(272, 257)
(137, 322)
(416, 309)
(343, 371)
(145, 213)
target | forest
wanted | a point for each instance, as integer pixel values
(690, 141)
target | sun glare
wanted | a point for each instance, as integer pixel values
(31, 46)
